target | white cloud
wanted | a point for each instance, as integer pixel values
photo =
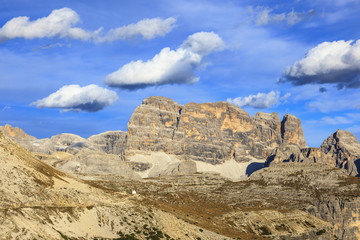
(6, 108)
(286, 96)
(336, 120)
(169, 66)
(264, 16)
(335, 101)
(147, 28)
(60, 23)
(335, 62)
(260, 100)
(91, 98)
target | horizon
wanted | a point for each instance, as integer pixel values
(83, 67)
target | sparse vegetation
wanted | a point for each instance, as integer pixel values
(322, 231)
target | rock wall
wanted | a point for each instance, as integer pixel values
(341, 149)
(291, 130)
(112, 142)
(345, 149)
(208, 132)
(323, 191)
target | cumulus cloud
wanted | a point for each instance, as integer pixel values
(260, 100)
(168, 66)
(91, 98)
(335, 62)
(60, 23)
(147, 28)
(264, 16)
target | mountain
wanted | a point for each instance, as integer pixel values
(166, 138)
(217, 137)
(38, 201)
(180, 161)
(341, 149)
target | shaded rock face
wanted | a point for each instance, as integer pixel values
(345, 149)
(209, 132)
(293, 153)
(323, 191)
(95, 162)
(341, 150)
(112, 142)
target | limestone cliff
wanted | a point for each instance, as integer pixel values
(291, 130)
(293, 153)
(322, 190)
(341, 149)
(345, 149)
(112, 142)
(208, 132)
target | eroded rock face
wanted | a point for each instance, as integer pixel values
(291, 130)
(14, 132)
(327, 192)
(293, 153)
(208, 132)
(152, 126)
(345, 149)
(112, 142)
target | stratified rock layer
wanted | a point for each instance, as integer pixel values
(341, 149)
(208, 132)
(345, 149)
(291, 130)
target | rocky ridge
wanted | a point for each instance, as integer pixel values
(341, 149)
(209, 137)
(208, 132)
(112, 142)
(40, 202)
(299, 196)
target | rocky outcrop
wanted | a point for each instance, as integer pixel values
(112, 142)
(293, 153)
(208, 132)
(15, 132)
(152, 126)
(90, 162)
(341, 150)
(291, 130)
(344, 148)
(324, 191)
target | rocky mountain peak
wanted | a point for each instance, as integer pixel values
(162, 103)
(342, 139)
(270, 120)
(208, 132)
(291, 130)
(14, 132)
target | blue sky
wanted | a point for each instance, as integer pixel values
(83, 66)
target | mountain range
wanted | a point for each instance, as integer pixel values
(207, 171)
